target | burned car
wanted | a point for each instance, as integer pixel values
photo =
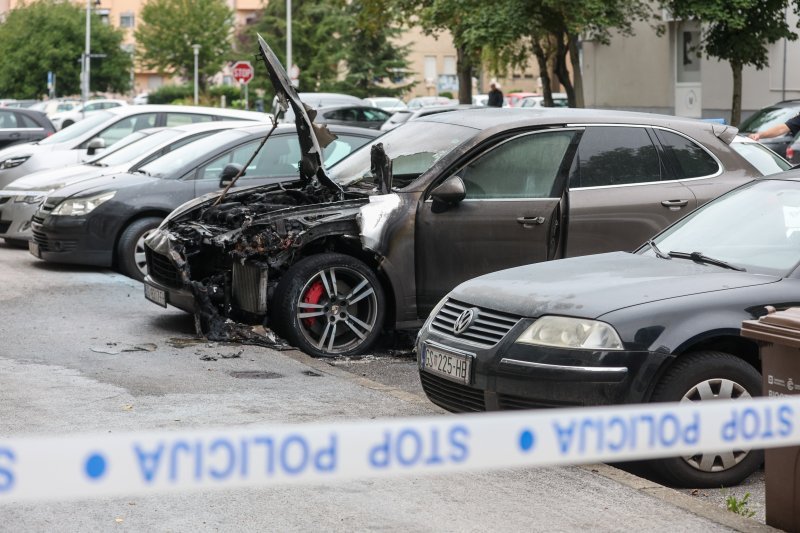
(333, 258)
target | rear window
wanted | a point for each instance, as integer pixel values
(692, 160)
(613, 155)
(766, 118)
(765, 160)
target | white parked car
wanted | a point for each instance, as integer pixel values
(51, 107)
(64, 119)
(559, 100)
(141, 98)
(388, 104)
(103, 129)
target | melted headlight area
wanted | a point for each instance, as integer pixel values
(232, 256)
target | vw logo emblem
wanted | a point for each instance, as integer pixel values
(464, 321)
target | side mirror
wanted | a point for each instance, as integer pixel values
(230, 171)
(451, 191)
(94, 145)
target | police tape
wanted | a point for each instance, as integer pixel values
(103, 465)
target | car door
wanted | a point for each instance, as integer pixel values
(621, 191)
(512, 213)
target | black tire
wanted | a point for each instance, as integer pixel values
(727, 377)
(326, 323)
(66, 124)
(130, 247)
(17, 243)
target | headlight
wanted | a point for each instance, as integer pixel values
(76, 207)
(12, 162)
(29, 199)
(564, 332)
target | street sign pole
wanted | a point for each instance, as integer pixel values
(246, 102)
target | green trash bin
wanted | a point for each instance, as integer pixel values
(778, 334)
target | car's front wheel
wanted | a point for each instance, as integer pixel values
(130, 248)
(705, 376)
(329, 304)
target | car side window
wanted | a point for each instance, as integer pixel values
(8, 120)
(692, 160)
(523, 167)
(26, 122)
(181, 119)
(125, 127)
(279, 157)
(615, 155)
(374, 115)
(341, 147)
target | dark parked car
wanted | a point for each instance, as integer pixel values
(768, 117)
(23, 126)
(658, 325)
(104, 221)
(352, 115)
(337, 256)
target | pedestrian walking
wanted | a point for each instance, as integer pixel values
(495, 96)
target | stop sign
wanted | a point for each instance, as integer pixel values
(243, 72)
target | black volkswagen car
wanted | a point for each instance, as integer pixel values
(104, 221)
(657, 325)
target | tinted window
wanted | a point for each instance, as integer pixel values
(615, 156)
(524, 167)
(27, 122)
(7, 120)
(125, 127)
(692, 160)
(180, 119)
(767, 118)
(279, 157)
(765, 160)
(375, 115)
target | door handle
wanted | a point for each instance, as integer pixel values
(675, 205)
(15, 135)
(527, 222)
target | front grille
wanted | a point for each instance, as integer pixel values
(4, 225)
(46, 245)
(487, 329)
(452, 396)
(45, 209)
(506, 401)
(249, 288)
(161, 269)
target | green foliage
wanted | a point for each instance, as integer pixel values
(331, 39)
(48, 35)
(167, 94)
(738, 506)
(446, 94)
(169, 28)
(231, 93)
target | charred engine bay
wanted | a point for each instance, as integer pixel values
(232, 255)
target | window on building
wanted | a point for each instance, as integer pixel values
(126, 20)
(103, 14)
(449, 66)
(430, 69)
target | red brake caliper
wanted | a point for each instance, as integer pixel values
(313, 296)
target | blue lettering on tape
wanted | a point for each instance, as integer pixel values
(410, 447)
(7, 458)
(758, 423)
(597, 434)
(96, 466)
(223, 458)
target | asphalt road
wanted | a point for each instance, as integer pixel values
(82, 350)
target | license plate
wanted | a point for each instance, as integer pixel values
(34, 249)
(450, 365)
(156, 296)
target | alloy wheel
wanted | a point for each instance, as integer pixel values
(716, 389)
(337, 309)
(138, 252)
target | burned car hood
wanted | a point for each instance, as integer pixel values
(591, 286)
(313, 137)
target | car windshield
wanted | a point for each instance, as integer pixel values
(79, 128)
(136, 136)
(138, 148)
(177, 159)
(413, 148)
(765, 160)
(766, 118)
(755, 227)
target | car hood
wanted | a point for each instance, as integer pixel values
(44, 180)
(313, 137)
(101, 184)
(27, 149)
(594, 285)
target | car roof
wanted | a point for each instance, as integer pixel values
(163, 108)
(487, 117)
(333, 128)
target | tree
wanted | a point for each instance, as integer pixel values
(169, 28)
(737, 32)
(48, 36)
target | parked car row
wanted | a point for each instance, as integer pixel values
(439, 223)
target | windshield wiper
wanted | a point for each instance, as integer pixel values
(701, 258)
(652, 244)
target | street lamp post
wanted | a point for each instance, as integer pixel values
(87, 54)
(196, 48)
